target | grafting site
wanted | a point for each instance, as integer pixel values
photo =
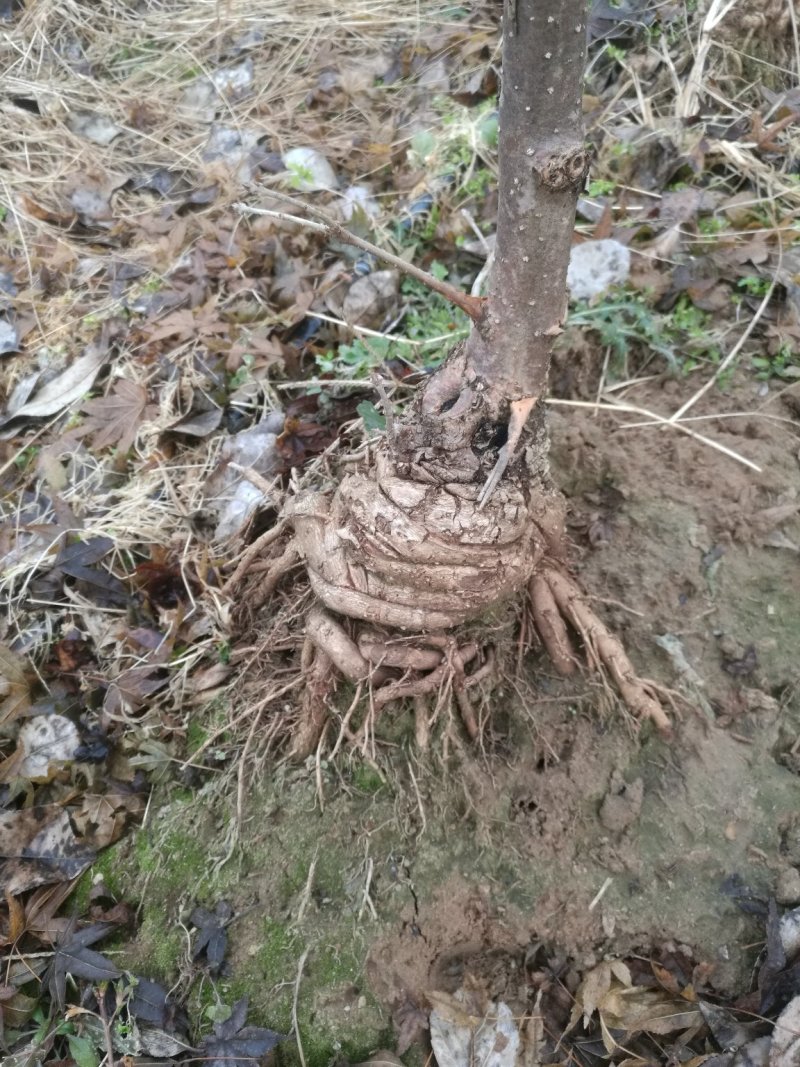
(399, 533)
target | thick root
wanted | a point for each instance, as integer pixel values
(395, 671)
(553, 589)
(397, 550)
(550, 626)
(320, 679)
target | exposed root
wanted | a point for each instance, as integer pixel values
(394, 670)
(550, 625)
(412, 555)
(395, 549)
(320, 678)
(268, 579)
(605, 650)
(331, 638)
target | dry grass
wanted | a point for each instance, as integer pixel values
(139, 66)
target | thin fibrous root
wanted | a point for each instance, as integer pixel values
(606, 650)
(288, 559)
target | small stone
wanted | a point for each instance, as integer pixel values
(595, 266)
(787, 889)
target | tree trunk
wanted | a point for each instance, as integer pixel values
(543, 166)
(490, 386)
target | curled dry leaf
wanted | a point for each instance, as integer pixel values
(212, 936)
(233, 1044)
(101, 819)
(73, 956)
(66, 388)
(46, 743)
(608, 990)
(461, 1038)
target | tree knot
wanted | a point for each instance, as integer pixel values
(562, 169)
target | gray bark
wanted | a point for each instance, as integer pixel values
(543, 165)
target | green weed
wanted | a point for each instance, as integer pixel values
(355, 360)
(754, 285)
(711, 225)
(784, 364)
(626, 324)
(601, 187)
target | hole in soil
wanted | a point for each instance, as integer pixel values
(449, 403)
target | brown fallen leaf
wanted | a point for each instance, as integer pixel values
(114, 420)
(38, 846)
(102, 818)
(15, 696)
(46, 214)
(300, 440)
(63, 390)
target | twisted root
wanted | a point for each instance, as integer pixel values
(394, 669)
(422, 558)
(555, 597)
(411, 555)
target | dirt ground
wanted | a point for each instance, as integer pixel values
(393, 880)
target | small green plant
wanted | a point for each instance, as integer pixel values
(355, 360)
(373, 420)
(711, 225)
(367, 780)
(428, 231)
(754, 285)
(464, 137)
(622, 322)
(300, 176)
(784, 364)
(601, 187)
(25, 457)
(625, 323)
(478, 185)
(430, 315)
(242, 375)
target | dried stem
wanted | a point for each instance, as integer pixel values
(334, 230)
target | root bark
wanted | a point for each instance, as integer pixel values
(415, 545)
